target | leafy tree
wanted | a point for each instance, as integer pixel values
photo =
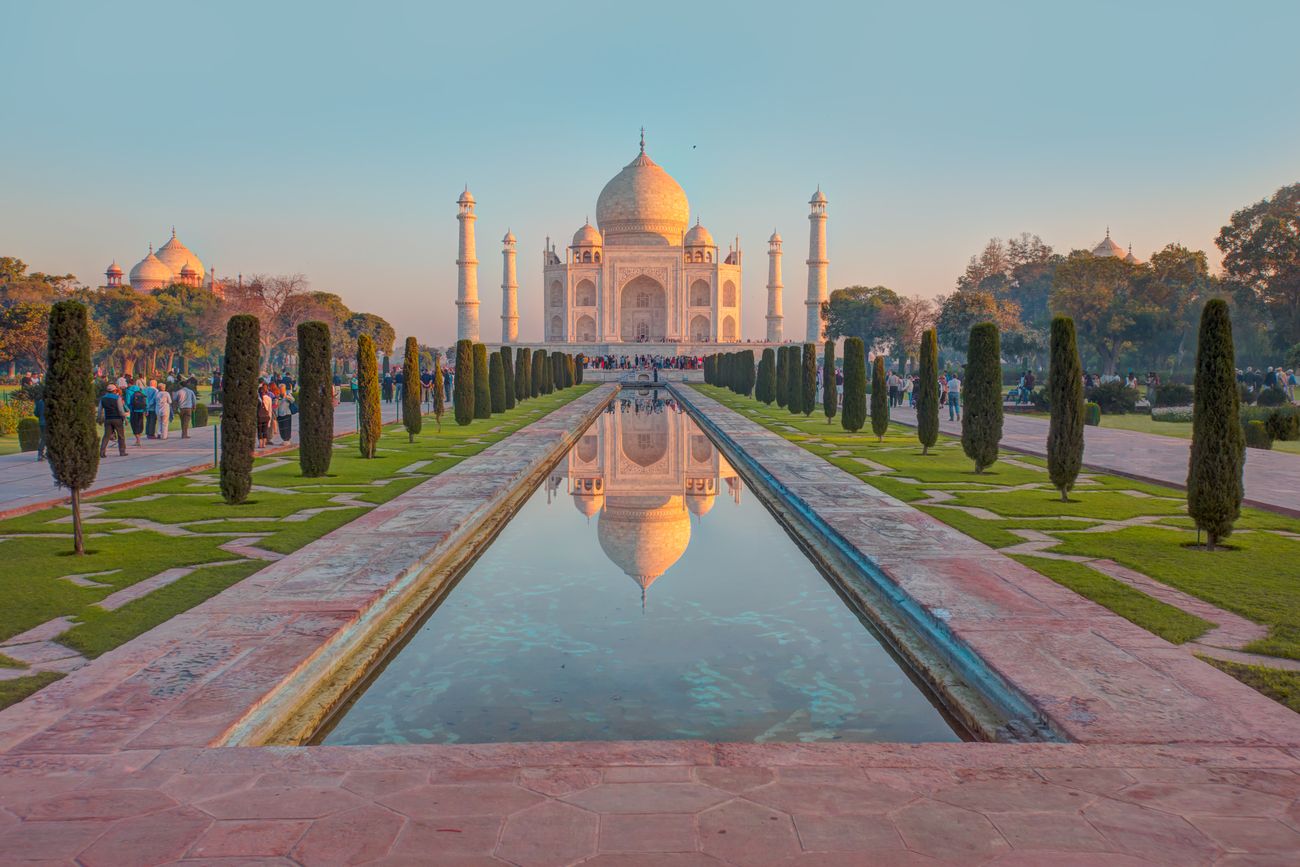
(809, 378)
(239, 406)
(927, 392)
(911, 318)
(981, 420)
(830, 392)
(482, 383)
(865, 312)
(1214, 484)
(439, 397)
(508, 377)
(766, 384)
(1261, 259)
(855, 385)
(368, 407)
(961, 311)
(879, 399)
(73, 446)
(315, 400)
(1065, 396)
(1099, 294)
(24, 332)
(463, 385)
(497, 382)
(523, 374)
(412, 418)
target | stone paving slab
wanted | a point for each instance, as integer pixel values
(1272, 478)
(1096, 677)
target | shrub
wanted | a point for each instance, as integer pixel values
(1280, 425)
(854, 413)
(9, 418)
(1174, 394)
(1065, 390)
(981, 419)
(370, 419)
(1272, 396)
(1114, 398)
(497, 382)
(200, 416)
(830, 392)
(1092, 414)
(1214, 484)
(239, 406)
(315, 400)
(1171, 413)
(412, 418)
(927, 392)
(462, 387)
(1258, 436)
(29, 433)
(879, 399)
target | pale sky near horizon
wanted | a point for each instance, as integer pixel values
(332, 139)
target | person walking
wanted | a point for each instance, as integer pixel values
(38, 410)
(284, 410)
(954, 398)
(263, 417)
(164, 401)
(137, 404)
(151, 410)
(112, 411)
(184, 403)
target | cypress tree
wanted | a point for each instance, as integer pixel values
(751, 375)
(927, 392)
(1065, 394)
(411, 417)
(793, 380)
(497, 382)
(782, 378)
(482, 383)
(538, 370)
(809, 378)
(557, 371)
(1214, 485)
(523, 374)
(72, 444)
(239, 406)
(830, 393)
(708, 370)
(439, 399)
(855, 385)
(981, 419)
(879, 399)
(462, 386)
(508, 376)
(579, 364)
(315, 400)
(370, 412)
(766, 387)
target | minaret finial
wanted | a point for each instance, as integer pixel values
(643, 139)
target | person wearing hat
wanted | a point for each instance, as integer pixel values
(112, 411)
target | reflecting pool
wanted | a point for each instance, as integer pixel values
(641, 594)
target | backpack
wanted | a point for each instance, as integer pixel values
(138, 402)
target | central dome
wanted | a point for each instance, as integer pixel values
(642, 205)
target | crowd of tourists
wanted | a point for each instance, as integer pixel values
(145, 408)
(634, 362)
(1256, 380)
(903, 389)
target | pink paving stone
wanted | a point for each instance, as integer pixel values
(285, 802)
(558, 781)
(647, 798)
(144, 840)
(1014, 795)
(743, 832)
(1067, 832)
(350, 837)
(648, 832)
(187, 788)
(1210, 800)
(442, 838)
(98, 804)
(35, 841)
(249, 838)
(1102, 781)
(1054, 858)
(945, 831)
(1157, 836)
(654, 774)
(371, 784)
(734, 779)
(548, 835)
(830, 798)
(1249, 834)
(659, 859)
(460, 799)
(846, 833)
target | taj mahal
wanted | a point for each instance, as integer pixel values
(642, 275)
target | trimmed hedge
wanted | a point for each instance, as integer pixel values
(239, 406)
(1114, 398)
(1257, 435)
(200, 416)
(1092, 414)
(1175, 394)
(315, 400)
(29, 433)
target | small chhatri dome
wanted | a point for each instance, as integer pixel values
(819, 198)
(176, 256)
(1130, 258)
(114, 269)
(150, 273)
(587, 236)
(588, 503)
(698, 236)
(466, 198)
(1108, 247)
(775, 239)
(509, 238)
(642, 204)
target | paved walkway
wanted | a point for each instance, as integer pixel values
(1272, 478)
(25, 483)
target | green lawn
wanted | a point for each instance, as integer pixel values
(9, 445)
(1256, 579)
(1281, 686)
(1143, 423)
(37, 547)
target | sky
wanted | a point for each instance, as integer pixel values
(332, 139)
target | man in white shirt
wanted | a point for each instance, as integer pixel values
(954, 398)
(184, 402)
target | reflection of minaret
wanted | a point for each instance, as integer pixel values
(775, 318)
(509, 291)
(467, 267)
(817, 263)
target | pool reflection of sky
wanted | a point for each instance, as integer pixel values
(545, 637)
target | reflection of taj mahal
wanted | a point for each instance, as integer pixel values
(641, 275)
(642, 472)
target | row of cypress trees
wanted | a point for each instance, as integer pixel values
(488, 383)
(733, 370)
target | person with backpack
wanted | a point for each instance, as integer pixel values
(112, 412)
(137, 404)
(263, 417)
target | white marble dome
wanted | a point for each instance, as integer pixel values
(1108, 248)
(642, 204)
(150, 274)
(587, 236)
(176, 256)
(698, 236)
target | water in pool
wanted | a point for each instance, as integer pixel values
(640, 593)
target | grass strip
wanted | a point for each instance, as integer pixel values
(1281, 686)
(12, 691)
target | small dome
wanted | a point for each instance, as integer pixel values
(150, 273)
(699, 503)
(466, 198)
(114, 269)
(587, 236)
(587, 503)
(509, 238)
(775, 239)
(698, 236)
(1108, 248)
(642, 204)
(1130, 258)
(176, 256)
(819, 198)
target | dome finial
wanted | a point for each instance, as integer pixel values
(642, 139)
(1108, 231)
(151, 249)
(173, 230)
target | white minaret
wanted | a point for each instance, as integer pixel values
(467, 266)
(775, 319)
(509, 291)
(817, 263)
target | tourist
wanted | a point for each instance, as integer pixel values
(216, 388)
(399, 380)
(138, 406)
(184, 402)
(263, 416)
(151, 410)
(38, 410)
(954, 397)
(112, 412)
(164, 401)
(894, 384)
(284, 410)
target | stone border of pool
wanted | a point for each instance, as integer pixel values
(1093, 676)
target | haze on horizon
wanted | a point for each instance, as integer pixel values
(333, 139)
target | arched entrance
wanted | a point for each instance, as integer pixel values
(556, 331)
(643, 312)
(729, 330)
(699, 328)
(585, 330)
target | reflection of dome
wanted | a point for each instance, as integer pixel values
(150, 274)
(698, 236)
(588, 504)
(587, 236)
(644, 535)
(176, 256)
(699, 504)
(642, 204)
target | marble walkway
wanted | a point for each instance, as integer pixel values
(1272, 478)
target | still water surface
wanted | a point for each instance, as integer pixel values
(641, 593)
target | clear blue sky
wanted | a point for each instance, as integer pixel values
(332, 139)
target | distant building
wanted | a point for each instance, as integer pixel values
(174, 264)
(1107, 247)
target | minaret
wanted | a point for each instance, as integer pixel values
(467, 264)
(775, 319)
(509, 291)
(817, 263)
